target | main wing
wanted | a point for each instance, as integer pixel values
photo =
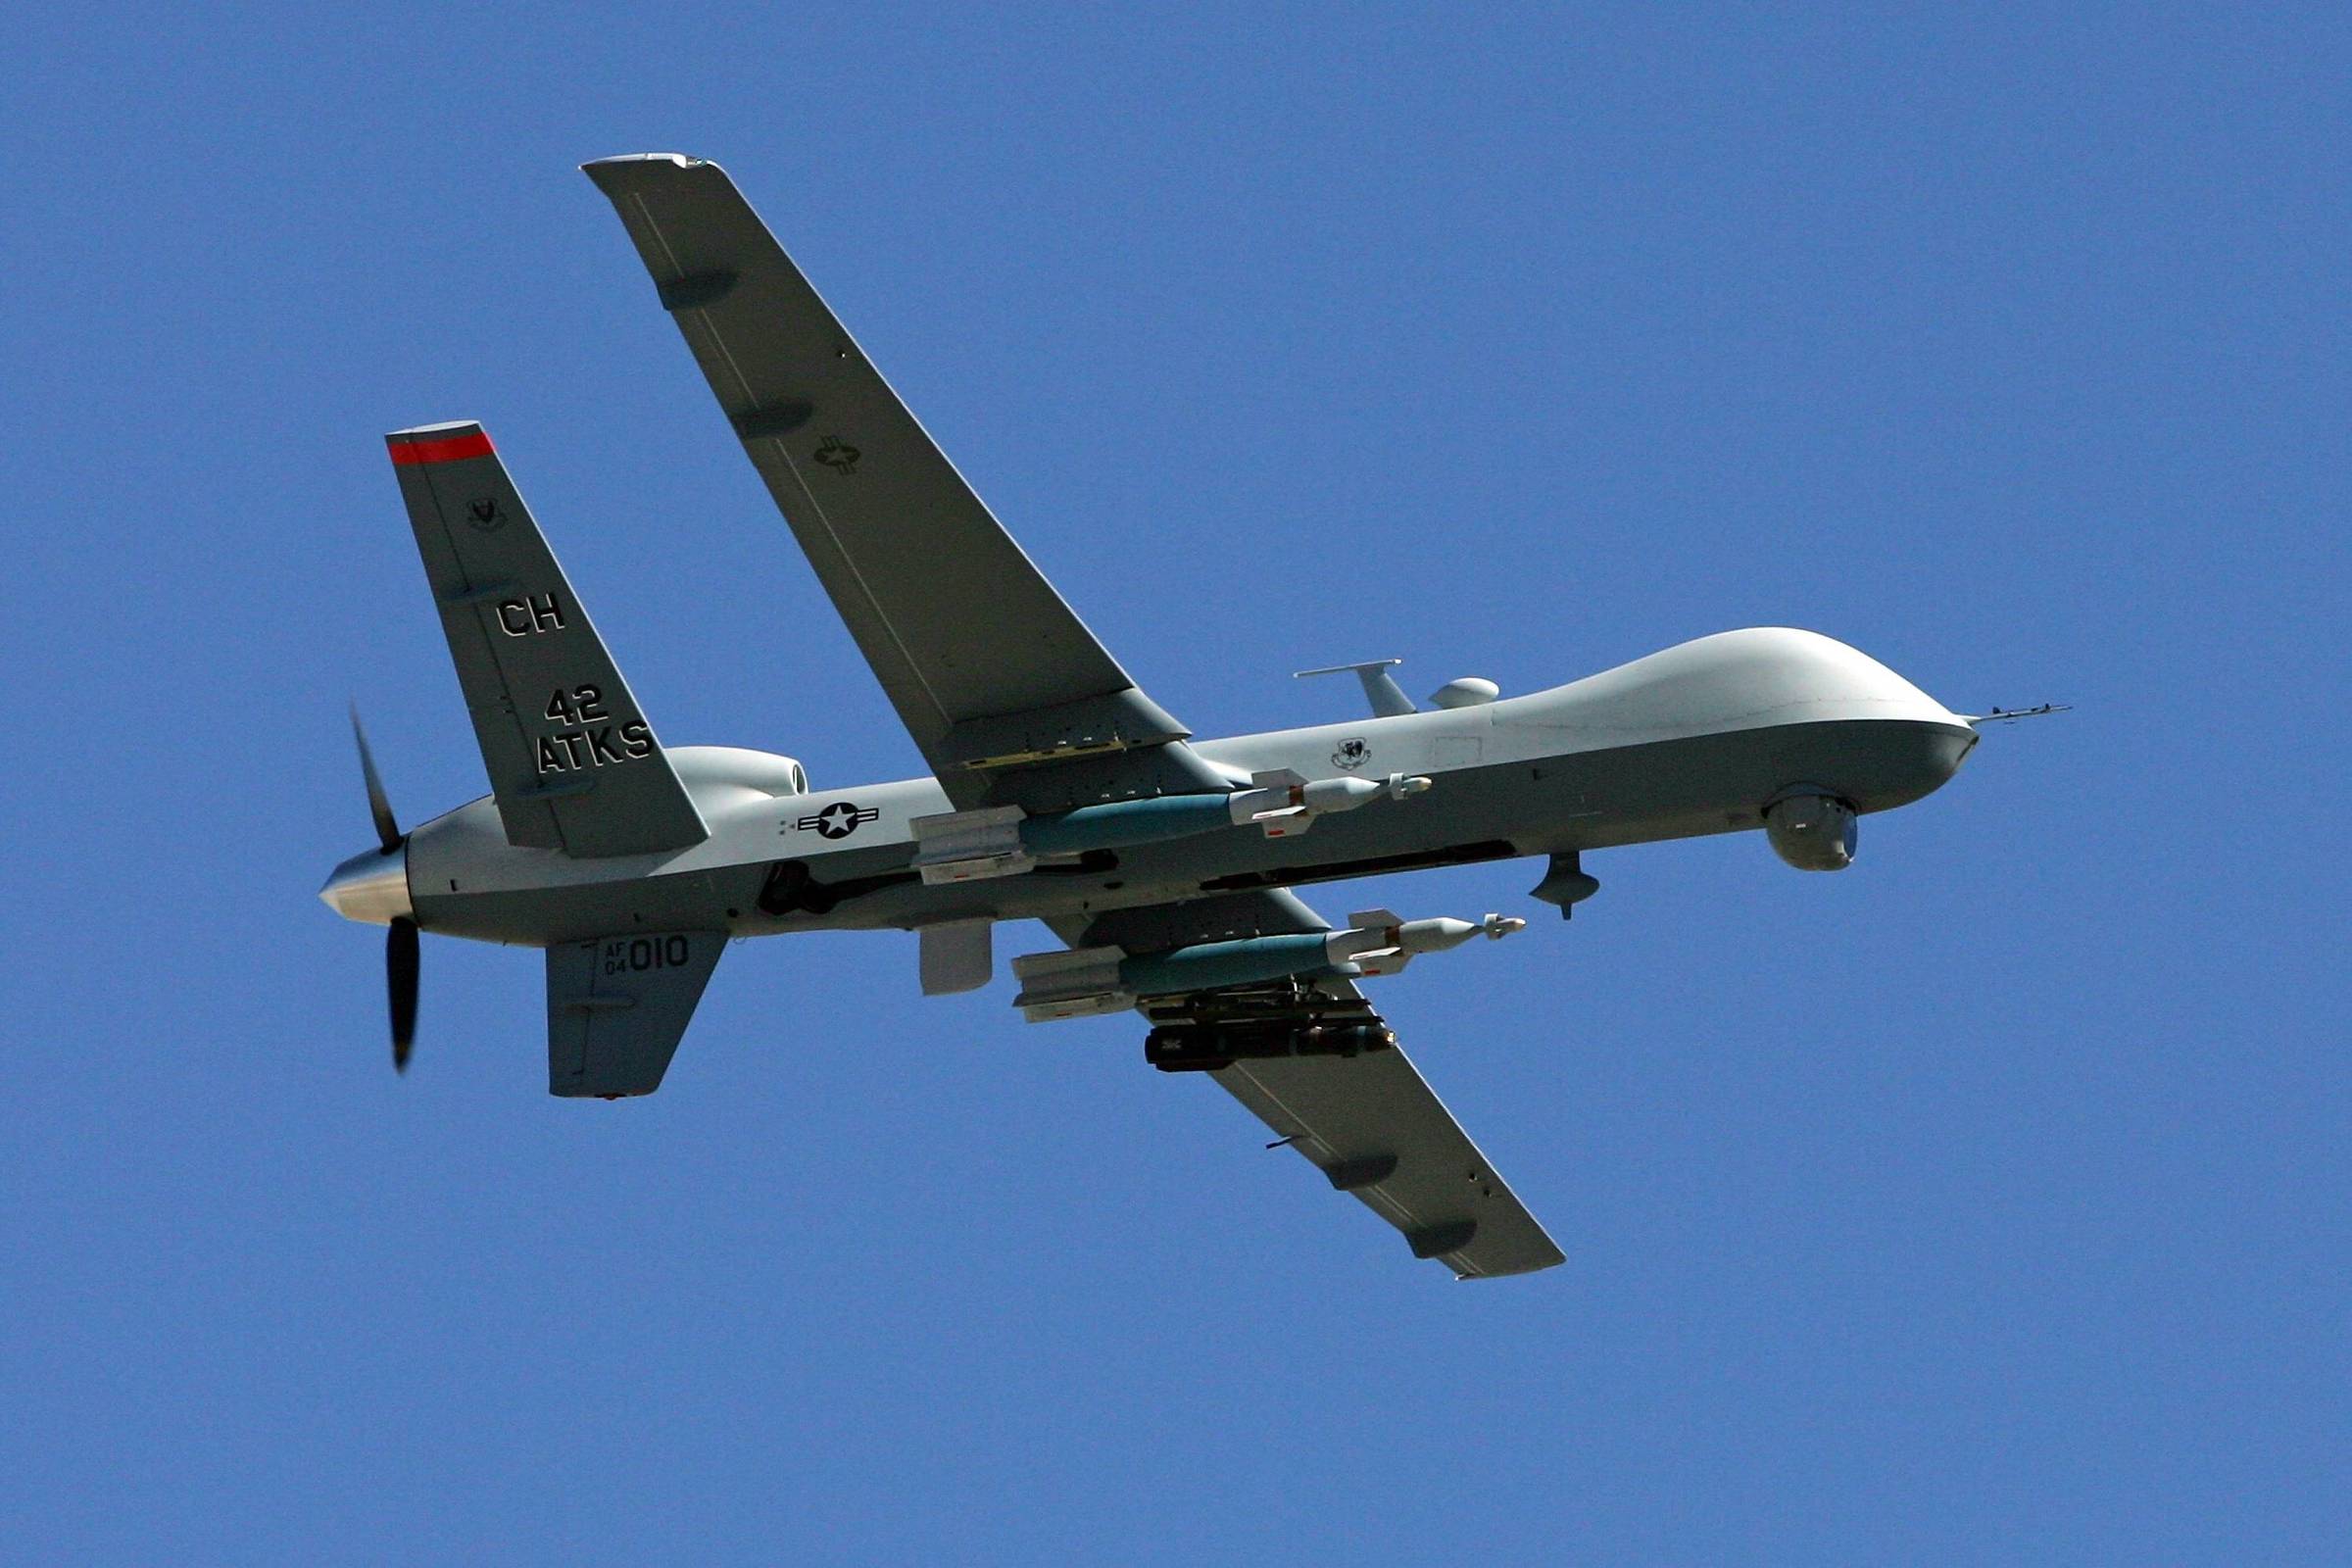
(1008, 696)
(1370, 1122)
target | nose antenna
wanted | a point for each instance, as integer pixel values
(2009, 715)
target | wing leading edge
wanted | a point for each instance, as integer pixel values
(1011, 700)
(1370, 1123)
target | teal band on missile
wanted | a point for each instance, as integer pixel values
(1120, 823)
(1246, 961)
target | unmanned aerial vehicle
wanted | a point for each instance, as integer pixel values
(1058, 791)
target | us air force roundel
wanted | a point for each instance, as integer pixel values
(838, 820)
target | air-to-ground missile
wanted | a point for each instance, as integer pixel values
(1376, 942)
(1005, 840)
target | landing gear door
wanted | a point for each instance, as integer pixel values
(618, 1006)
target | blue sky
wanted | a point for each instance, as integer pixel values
(1986, 1203)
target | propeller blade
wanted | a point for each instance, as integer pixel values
(400, 977)
(380, 804)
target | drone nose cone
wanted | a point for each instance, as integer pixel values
(372, 887)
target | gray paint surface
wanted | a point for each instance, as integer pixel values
(956, 621)
(574, 764)
(618, 1006)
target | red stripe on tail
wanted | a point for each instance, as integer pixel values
(455, 447)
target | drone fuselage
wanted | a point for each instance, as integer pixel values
(1698, 739)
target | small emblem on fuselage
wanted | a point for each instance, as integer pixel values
(838, 820)
(838, 454)
(1353, 753)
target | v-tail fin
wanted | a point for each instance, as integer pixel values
(572, 761)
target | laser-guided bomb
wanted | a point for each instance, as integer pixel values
(1005, 840)
(1086, 981)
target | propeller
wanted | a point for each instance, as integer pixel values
(400, 941)
(400, 977)
(380, 804)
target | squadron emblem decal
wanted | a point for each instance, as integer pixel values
(838, 820)
(484, 515)
(1352, 754)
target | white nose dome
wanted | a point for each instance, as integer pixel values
(1738, 680)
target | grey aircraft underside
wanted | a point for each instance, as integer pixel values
(1058, 791)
